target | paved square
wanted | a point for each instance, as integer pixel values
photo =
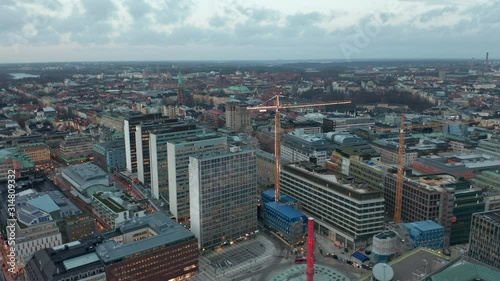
(237, 254)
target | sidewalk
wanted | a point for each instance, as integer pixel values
(328, 246)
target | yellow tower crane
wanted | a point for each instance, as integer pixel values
(277, 107)
(401, 159)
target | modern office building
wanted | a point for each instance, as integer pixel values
(75, 148)
(286, 221)
(491, 145)
(484, 244)
(150, 248)
(426, 234)
(388, 151)
(222, 196)
(158, 155)
(111, 120)
(237, 116)
(461, 145)
(110, 156)
(487, 180)
(298, 146)
(36, 229)
(341, 159)
(371, 172)
(444, 199)
(20, 162)
(147, 249)
(178, 168)
(73, 222)
(349, 212)
(337, 124)
(142, 133)
(266, 170)
(38, 152)
(115, 208)
(459, 165)
(129, 126)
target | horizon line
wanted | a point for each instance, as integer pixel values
(261, 60)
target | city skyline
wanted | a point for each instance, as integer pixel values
(120, 30)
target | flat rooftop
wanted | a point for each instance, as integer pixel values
(168, 232)
(284, 209)
(492, 216)
(85, 172)
(347, 186)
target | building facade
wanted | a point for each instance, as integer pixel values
(389, 152)
(178, 174)
(444, 199)
(129, 125)
(222, 189)
(459, 165)
(488, 180)
(484, 244)
(35, 237)
(75, 148)
(115, 208)
(38, 152)
(346, 124)
(12, 160)
(237, 116)
(266, 170)
(349, 213)
(71, 261)
(298, 146)
(110, 156)
(148, 249)
(159, 156)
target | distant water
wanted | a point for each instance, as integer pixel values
(17, 76)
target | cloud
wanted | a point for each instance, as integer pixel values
(429, 26)
(435, 13)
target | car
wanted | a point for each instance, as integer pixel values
(335, 257)
(349, 262)
(327, 254)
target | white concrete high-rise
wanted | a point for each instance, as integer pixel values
(129, 126)
(158, 155)
(142, 133)
(178, 163)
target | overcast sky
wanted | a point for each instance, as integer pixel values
(103, 30)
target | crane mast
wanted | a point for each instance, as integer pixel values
(277, 150)
(398, 206)
(400, 175)
(277, 131)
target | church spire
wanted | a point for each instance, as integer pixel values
(180, 91)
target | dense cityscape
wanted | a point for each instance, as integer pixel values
(167, 170)
(249, 140)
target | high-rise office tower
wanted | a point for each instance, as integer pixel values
(158, 155)
(129, 126)
(178, 166)
(484, 244)
(142, 132)
(222, 187)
